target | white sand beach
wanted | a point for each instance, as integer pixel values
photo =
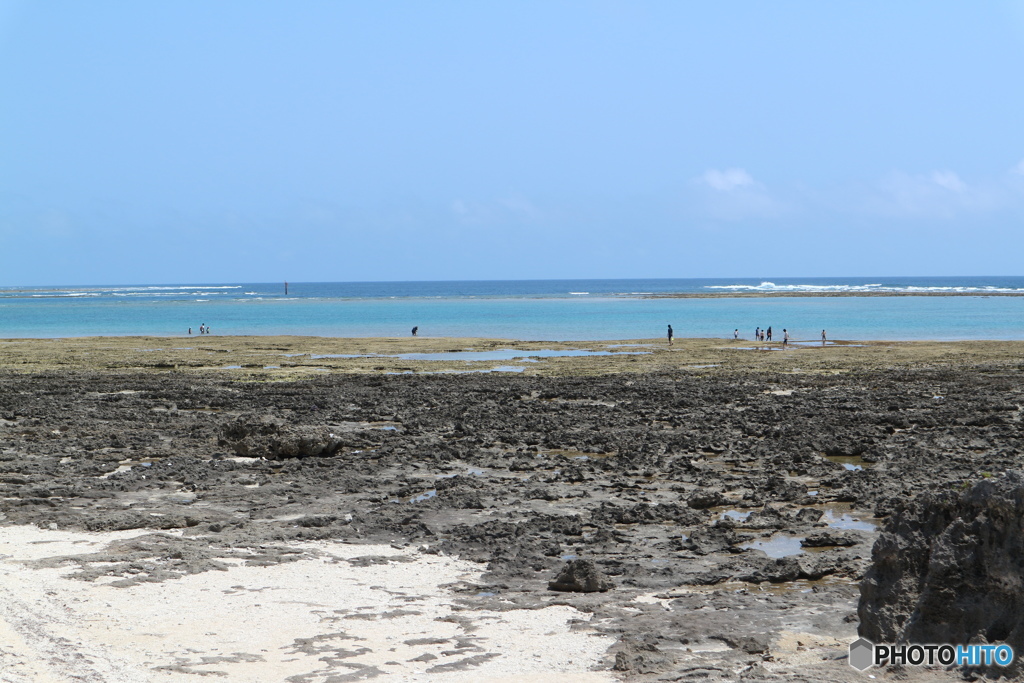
(316, 619)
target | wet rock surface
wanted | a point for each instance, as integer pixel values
(702, 498)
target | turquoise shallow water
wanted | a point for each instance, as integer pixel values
(526, 310)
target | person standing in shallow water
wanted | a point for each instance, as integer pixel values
(415, 330)
(785, 337)
(823, 337)
(670, 335)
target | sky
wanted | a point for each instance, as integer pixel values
(360, 141)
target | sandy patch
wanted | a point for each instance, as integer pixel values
(351, 612)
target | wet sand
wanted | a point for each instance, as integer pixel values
(157, 492)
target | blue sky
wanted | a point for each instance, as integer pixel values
(337, 141)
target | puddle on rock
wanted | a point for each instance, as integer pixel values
(500, 368)
(852, 463)
(847, 521)
(804, 585)
(779, 545)
(124, 466)
(509, 354)
(737, 515)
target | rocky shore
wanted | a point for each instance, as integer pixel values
(707, 511)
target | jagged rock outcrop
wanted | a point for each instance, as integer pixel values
(272, 439)
(949, 568)
(581, 576)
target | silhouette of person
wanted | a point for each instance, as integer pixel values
(670, 335)
(415, 330)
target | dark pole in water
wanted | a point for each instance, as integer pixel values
(286, 289)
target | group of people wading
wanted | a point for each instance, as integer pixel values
(763, 336)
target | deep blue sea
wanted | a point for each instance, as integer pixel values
(525, 309)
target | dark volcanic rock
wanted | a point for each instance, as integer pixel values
(949, 568)
(825, 539)
(704, 541)
(752, 644)
(640, 656)
(808, 515)
(581, 576)
(486, 467)
(707, 499)
(269, 438)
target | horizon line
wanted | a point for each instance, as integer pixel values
(573, 279)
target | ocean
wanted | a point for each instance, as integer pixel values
(529, 309)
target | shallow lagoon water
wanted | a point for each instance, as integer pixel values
(522, 310)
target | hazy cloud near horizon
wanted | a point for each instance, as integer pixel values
(726, 180)
(257, 142)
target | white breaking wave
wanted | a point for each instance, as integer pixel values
(65, 294)
(873, 287)
(182, 287)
